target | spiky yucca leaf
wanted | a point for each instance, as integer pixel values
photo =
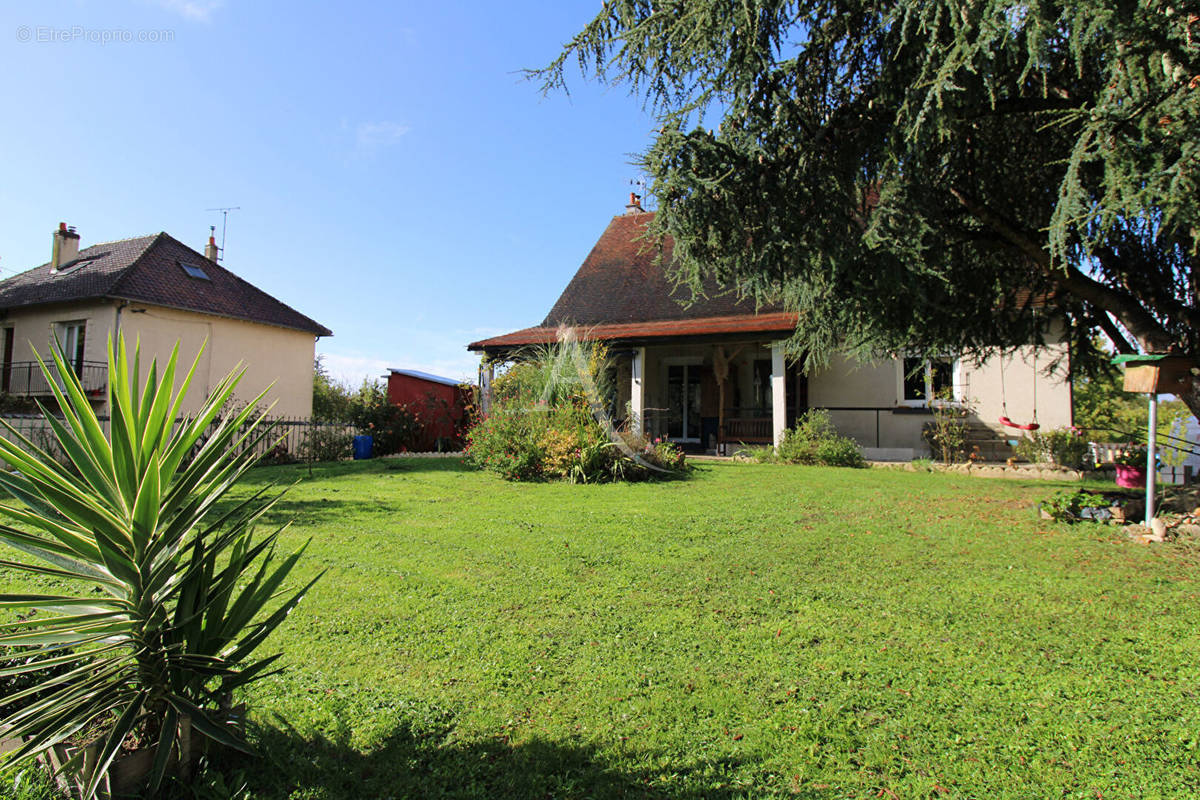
(186, 589)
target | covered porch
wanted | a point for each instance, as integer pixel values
(709, 397)
(715, 384)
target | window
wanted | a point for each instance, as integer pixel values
(194, 271)
(71, 340)
(69, 268)
(925, 380)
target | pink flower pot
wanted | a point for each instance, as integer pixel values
(1131, 477)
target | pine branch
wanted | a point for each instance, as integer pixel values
(1144, 327)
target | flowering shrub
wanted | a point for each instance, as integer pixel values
(394, 428)
(946, 435)
(1132, 455)
(665, 454)
(541, 425)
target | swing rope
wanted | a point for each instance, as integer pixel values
(1032, 425)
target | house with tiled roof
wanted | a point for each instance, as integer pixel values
(711, 370)
(159, 291)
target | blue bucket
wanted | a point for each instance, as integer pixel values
(364, 446)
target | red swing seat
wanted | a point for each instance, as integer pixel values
(1029, 426)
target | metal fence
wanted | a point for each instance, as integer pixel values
(286, 437)
(26, 378)
(1184, 473)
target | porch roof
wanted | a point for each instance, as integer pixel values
(782, 323)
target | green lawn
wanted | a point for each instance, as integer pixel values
(755, 631)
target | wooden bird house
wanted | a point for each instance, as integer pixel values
(1156, 374)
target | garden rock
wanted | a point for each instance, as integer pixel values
(1187, 529)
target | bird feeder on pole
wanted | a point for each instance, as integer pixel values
(1153, 374)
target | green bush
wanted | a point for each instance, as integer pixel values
(1064, 446)
(542, 424)
(1068, 505)
(393, 428)
(814, 440)
(326, 444)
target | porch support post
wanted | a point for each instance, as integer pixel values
(778, 393)
(637, 391)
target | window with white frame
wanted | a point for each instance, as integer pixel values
(924, 380)
(70, 337)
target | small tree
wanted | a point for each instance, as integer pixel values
(332, 401)
(167, 592)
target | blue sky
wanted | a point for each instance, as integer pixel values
(399, 181)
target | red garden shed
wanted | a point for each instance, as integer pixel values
(441, 404)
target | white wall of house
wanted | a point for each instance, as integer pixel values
(270, 353)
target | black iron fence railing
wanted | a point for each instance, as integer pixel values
(287, 438)
(26, 379)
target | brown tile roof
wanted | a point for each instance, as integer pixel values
(623, 280)
(621, 292)
(147, 269)
(777, 322)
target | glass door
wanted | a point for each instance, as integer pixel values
(683, 403)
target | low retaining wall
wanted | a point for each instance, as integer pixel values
(1020, 472)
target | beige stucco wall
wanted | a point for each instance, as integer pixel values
(33, 328)
(848, 383)
(1024, 374)
(269, 353)
(857, 389)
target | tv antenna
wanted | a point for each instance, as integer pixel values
(642, 187)
(224, 224)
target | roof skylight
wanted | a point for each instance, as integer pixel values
(194, 271)
(69, 268)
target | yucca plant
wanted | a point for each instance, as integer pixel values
(175, 592)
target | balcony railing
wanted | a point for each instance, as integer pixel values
(25, 378)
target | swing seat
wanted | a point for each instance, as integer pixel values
(1029, 426)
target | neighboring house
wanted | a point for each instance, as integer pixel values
(439, 403)
(158, 291)
(712, 371)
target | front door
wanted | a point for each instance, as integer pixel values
(683, 402)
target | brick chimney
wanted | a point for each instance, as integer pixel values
(66, 247)
(211, 251)
(635, 204)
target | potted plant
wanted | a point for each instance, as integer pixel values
(1130, 463)
(166, 591)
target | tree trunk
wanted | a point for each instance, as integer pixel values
(1191, 395)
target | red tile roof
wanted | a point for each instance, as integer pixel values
(777, 322)
(147, 270)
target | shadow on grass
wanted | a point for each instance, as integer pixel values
(430, 764)
(290, 473)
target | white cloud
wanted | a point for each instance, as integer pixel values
(351, 370)
(199, 10)
(373, 135)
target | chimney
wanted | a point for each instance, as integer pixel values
(66, 247)
(211, 252)
(635, 204)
